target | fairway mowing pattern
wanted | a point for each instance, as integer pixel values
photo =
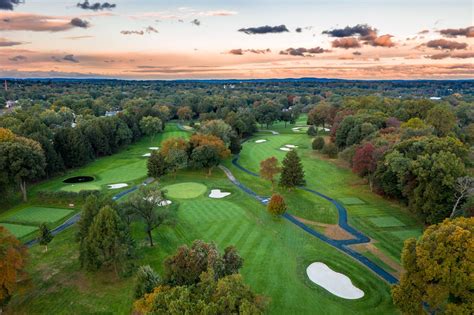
(187, 190)
(386, 221)
(38, 215)
(19, 230)
(405, 234)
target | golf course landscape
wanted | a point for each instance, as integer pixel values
(276, 251)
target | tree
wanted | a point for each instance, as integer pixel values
(146, 280)
(267, 113)
(185, 113)
(330, 150)
(438, 270)
(44, 236)
(318, 143)
(235, 146)
(149, 204)
(320, 115)
(74, 148)
(150, 125)
(364, 162)
(464, 188)
(12, 266)
(207, 151)
(157, 165)
(442, 118)
(107, 243)
(269, 168)
(292, 173)
(21, 161)
(175, 153)
(277, 205)
(217, 128)
(187, 265)
(312, 131)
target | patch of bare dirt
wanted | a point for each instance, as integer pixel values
(333, 231)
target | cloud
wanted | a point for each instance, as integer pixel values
(78, 37)
(443, 55)
(264, 29)
(69, 58)
(18, 58)
(241, 51)
(147, 30)
(218, 13)
(8, 4)
(13, 21)
(79, 23)
(357, 53)
(362, 30)
(9, 43)
(423, 32)
(455, 32)
(346, 43)
(298, 30)
(382, 41)
(96, 6)
(303, 52)
(445, 44)
(196, 22)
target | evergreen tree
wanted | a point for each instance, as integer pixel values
(107, 243)
(45, 236)
(146, 280)
(292, 173)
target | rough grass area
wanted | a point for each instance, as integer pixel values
(387, 221)
(38, 215)
(19, 230)
(185, 190)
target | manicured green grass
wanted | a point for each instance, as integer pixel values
(405, 234)
(185, 190)
(127, 166)
(332, 180)
(387, 221)
(351, 201)
(38, 215)
(276, 254)
(19, 230)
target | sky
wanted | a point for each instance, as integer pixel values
(220, 39)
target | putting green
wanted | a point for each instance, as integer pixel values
(19, 230)
(185, 190)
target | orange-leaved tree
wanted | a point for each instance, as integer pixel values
(269, 168)
(277, 205)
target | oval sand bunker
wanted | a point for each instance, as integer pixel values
(335, 282)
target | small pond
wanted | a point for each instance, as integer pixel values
(78, 179)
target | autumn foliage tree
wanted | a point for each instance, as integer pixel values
(185, 113)
(276, 205)
(365, 159)
(12, 266)
(269, 168)
(207, 151)
(439, 270)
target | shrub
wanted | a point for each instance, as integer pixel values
(330, 150)
(277, 205)
(312, 131)
(146, 280)
(318, 143)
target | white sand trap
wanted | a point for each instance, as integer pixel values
(165, 203)
(291, 146)
(296, 129)
(335, 282)
(117, 186)
(260, 141)
(285, 149)
(217, 193)
(146, 154)
(154, 148)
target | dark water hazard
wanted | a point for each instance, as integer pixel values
(78, 179)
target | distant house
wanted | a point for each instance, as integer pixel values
(111, 113)
(10, 104)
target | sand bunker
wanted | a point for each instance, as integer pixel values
(117, 186)
(146, 154)
(217, 193)
(291, 146)
(296, 129)
(260, 141)
(154, 148)
(335, 282)
(285, 149)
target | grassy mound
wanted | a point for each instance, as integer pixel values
(185, 190)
